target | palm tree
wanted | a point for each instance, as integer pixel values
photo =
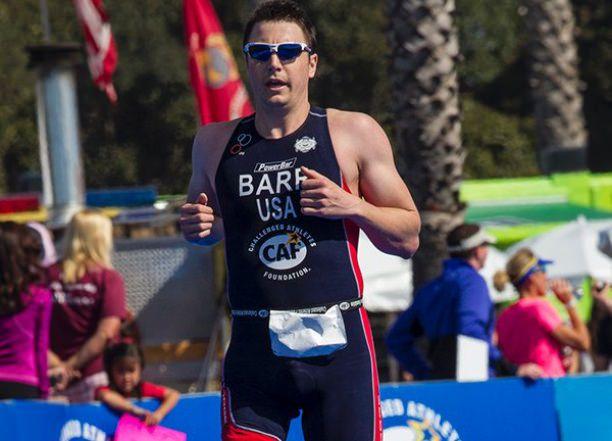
(430, 156)
(555, 83)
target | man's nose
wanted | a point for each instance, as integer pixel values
(274, 63)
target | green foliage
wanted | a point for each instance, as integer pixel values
(594, 29)
(489, 35)
(497, 144)
(353, 51)
(18, 139)
(146, 138)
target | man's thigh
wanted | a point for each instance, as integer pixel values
(250, 414)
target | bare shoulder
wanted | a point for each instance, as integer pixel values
(214, 136)
(356, 123)
(360, 131)
(209, 143)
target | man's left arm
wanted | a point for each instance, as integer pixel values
(386, 213)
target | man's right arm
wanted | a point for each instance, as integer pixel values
(200, 220)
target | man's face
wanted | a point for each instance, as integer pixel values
(280, 83)
(481, 254)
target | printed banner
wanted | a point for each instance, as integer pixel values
(585, 407)
(500, 410)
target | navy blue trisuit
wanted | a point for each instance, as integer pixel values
(280, 259)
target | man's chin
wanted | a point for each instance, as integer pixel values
(276, 101)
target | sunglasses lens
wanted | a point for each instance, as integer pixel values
(289, 51)
(261, 52)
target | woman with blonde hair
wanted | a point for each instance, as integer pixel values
(88, 306)
(531, 330)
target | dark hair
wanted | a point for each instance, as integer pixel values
(18, 267)
(282, 10)
(118, 351)
(34, 251)
(129, 332)
(458, 235)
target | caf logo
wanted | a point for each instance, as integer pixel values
(283, 251)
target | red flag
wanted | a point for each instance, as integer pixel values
(214, 76)
(101, 49)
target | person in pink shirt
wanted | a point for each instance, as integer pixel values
(25, 311)
(531, 330)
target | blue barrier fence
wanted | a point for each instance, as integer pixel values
(569, 409)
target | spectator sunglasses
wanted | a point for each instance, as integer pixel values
(285, 51)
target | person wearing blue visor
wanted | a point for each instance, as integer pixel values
(535, 266)
(531, 330)
(455, 303)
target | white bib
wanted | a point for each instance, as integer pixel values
(294, 334)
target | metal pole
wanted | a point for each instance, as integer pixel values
(61, 163)
(44, 18)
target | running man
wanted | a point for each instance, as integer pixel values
(288, 189)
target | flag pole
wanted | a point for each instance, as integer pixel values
(44, 18)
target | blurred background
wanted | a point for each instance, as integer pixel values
(148, 134)
(499, 113)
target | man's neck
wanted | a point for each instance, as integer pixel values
(474, 263)
(277, 122)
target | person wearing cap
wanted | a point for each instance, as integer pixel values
(531, 330)
(456, 303)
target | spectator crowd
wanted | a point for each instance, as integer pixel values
(528, 338)
(65, 331)
(67, 335)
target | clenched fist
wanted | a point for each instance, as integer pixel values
(197, 219)
(321, 197)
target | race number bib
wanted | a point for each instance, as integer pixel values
(294, 334)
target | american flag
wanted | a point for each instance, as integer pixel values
(101, 49)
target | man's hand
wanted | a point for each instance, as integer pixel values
(321, 197)
(197, 219)
(529, 370)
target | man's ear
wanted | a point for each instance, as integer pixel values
(312, 65)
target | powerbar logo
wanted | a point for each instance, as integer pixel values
(263, 167)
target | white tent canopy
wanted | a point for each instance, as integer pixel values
(388, 279)
(576, 248)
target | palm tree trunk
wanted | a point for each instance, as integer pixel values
(430, 156)
(555, 83)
